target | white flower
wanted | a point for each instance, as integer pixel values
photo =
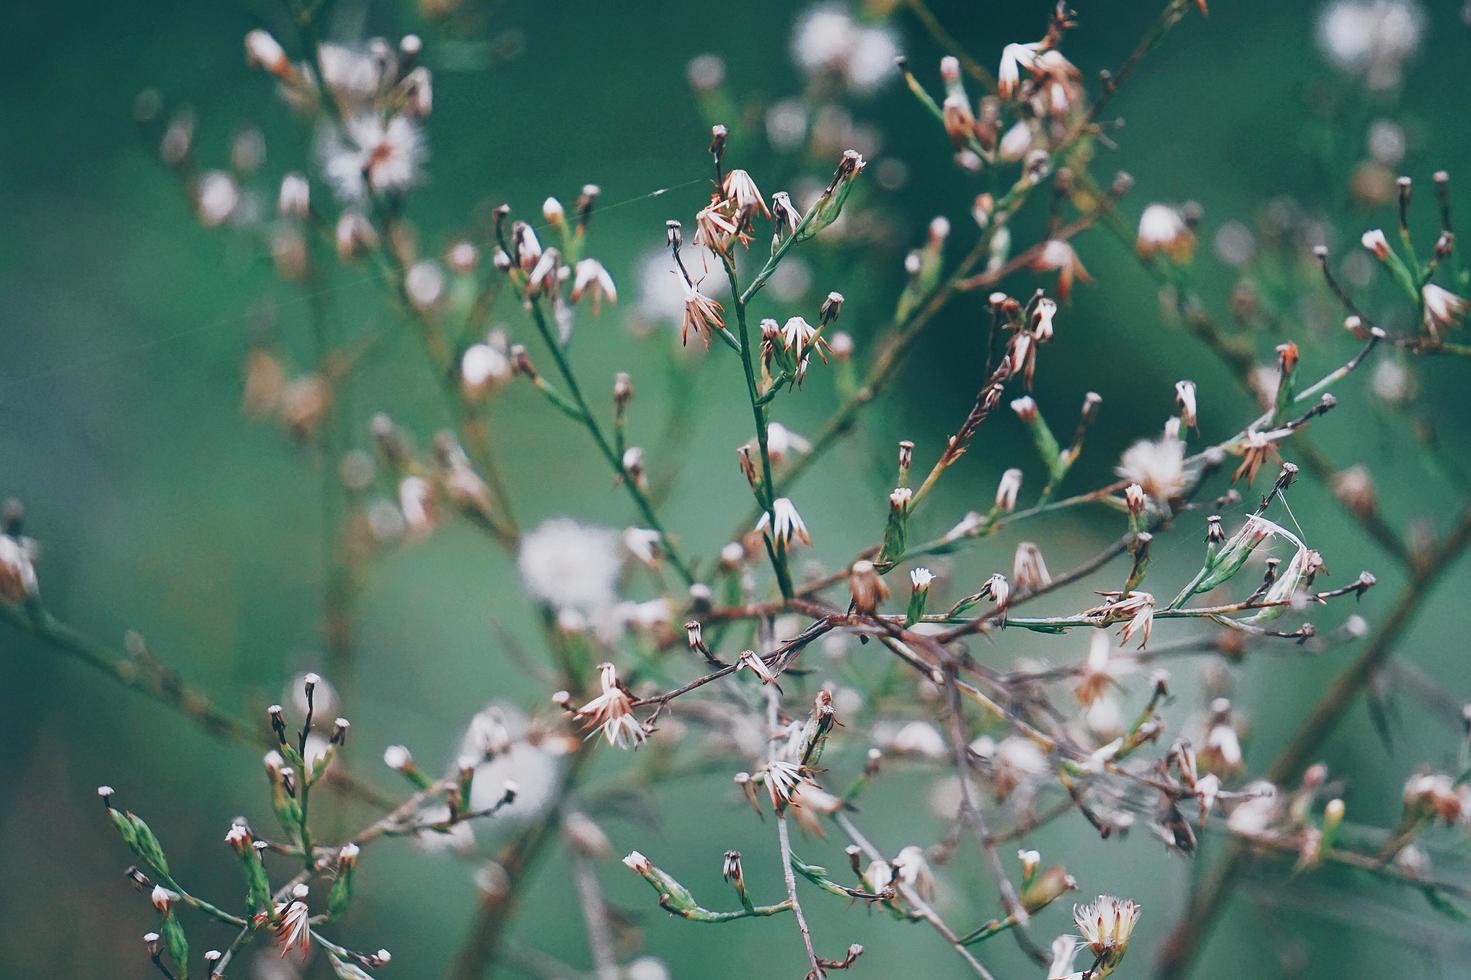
(389, 154)
(781, 442)
(497, 739)
(1007, 489)
(17, 569)
(1375, 243)
(611, 712)
(871, 59)
(1157, 466)
(570, 565)
(1371, 38)
(1161, 229)
(293, 924)
(215, 197)
(351, 72)
(920, 579)
(788, 523)
(797, 335)
(482, 368)
(913, 870)
(594, 280)
(1013, 58)
(424, 284)
(661, 286)
(823, 39)
(1443, 308)
(1106, 926)
(920, 738)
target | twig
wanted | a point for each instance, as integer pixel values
(1195, 923)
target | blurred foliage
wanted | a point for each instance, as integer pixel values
(161, 509)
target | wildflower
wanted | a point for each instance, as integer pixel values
(1097, 675)
(593, 279)
(866, 585)
(1220, 751)
(1028, 569)
(1060, 87)
(1137, 607)
(1060, 257)
(570, 565)
(782, 442)
(215, 198)
(545, 274)
(483, 367)
(1255, 451)
(1185, 398)
(701, 314)
(384, 157)
(1015, 142)
(788, 523)
(787, 217)
(713, 229)
(424, 284)
(352, 73)
(264, 51)
(1042, 319)
(1015, 762)
(911, 869)
(163, 899)
(1437, 796)
(1163, 230)
(1157, 466)
(1443, 308)
(1007, 490)
(17, 569)
(1354, 488)
(920, 579)
(293, 922)
(998, 591)
(959, 120)
(750, 660)
(1106, 926)
(741, 192)
(355, 235)
(919, 739)
(783, 779)
(1371, 38)
(1014, 57)
(798, 335)
(294, 198)
(611, 712)
(1375, 242)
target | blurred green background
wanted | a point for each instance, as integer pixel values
(123, 327)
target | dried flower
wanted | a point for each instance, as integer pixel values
(611, 712)
(1106, 926)
(702, 315)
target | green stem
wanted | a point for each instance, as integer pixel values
(589, 421)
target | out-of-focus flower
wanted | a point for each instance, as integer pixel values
(1163, 231)
(386, 157)
(1158, 466)
(570, 565)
